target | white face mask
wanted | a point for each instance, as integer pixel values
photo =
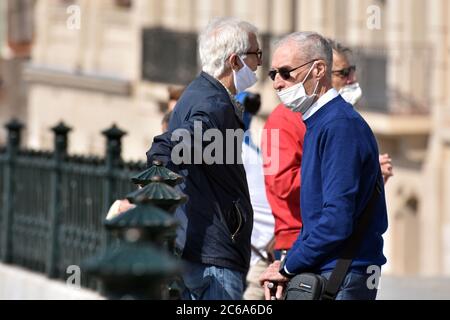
(244, 78)
(295, 97)
(351, 93)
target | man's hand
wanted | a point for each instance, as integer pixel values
(386, 167)
(118, 207)
(273, 281)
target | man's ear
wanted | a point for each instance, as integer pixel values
(234, 62)
(321, 69)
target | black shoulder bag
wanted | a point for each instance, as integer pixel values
(311, 286)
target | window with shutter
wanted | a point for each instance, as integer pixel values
(20, 26)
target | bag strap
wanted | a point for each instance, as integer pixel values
(258, 253)
(354, 241)
(268, 249)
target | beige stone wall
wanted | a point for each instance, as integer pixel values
(2, 23)
(107, 42)
(405, 138)
(20, 284)
(106, 46)
(446, 210)
(2, 44)
(404, 229)
(435, 210)
(89, 114)
(15, 30)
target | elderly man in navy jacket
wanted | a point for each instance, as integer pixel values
(216, 223)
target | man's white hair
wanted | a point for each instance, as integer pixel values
(220, 39)
(312, 46)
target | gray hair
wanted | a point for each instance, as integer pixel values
(340, 48)
(312, 45)
(220, 39)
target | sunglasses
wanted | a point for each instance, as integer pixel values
(259, 53)
(285, 73)
(344, 73)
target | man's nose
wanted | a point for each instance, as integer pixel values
(260, 61)
(278, 83)
(351, 78)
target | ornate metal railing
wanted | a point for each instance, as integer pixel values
(53, 205)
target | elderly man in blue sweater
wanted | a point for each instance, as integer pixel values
(339, 172)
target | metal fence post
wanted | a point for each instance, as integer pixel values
(60, 152)
(14, 136)
(113, 158)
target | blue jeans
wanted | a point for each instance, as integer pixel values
(208, 282)
(354, 287)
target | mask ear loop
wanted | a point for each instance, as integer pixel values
(242, 61)
(315, 89)
(309, 72)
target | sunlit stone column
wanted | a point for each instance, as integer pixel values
(207, 10)
(431, 218)
(281, 17)
(3, 19)
(355, 23)
(149, 12)
(41, 26)
(94, 15)
(178, 15)
(311, 15)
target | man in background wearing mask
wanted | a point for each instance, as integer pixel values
(213, 237)
(345, 82)
(340, 170)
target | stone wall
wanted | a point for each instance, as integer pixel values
(19, 284)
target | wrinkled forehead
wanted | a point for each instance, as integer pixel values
(286, 55)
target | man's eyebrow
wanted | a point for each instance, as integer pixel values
(282, 67)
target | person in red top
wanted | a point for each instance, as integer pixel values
(283, 187)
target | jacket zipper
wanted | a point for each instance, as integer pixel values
(240, 223)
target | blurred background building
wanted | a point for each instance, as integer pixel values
(94, 63)
(16, 37)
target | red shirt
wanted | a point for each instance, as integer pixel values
(283, 187)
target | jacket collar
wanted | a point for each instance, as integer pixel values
(238, 108)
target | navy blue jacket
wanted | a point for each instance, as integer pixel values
(340, 167)
(216, 222)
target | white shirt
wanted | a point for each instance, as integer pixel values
(323, 100)
(263, 220)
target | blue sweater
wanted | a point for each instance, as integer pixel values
(340, 166)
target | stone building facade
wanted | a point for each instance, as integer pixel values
(16, 35)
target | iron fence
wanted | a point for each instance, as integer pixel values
(53, 205)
